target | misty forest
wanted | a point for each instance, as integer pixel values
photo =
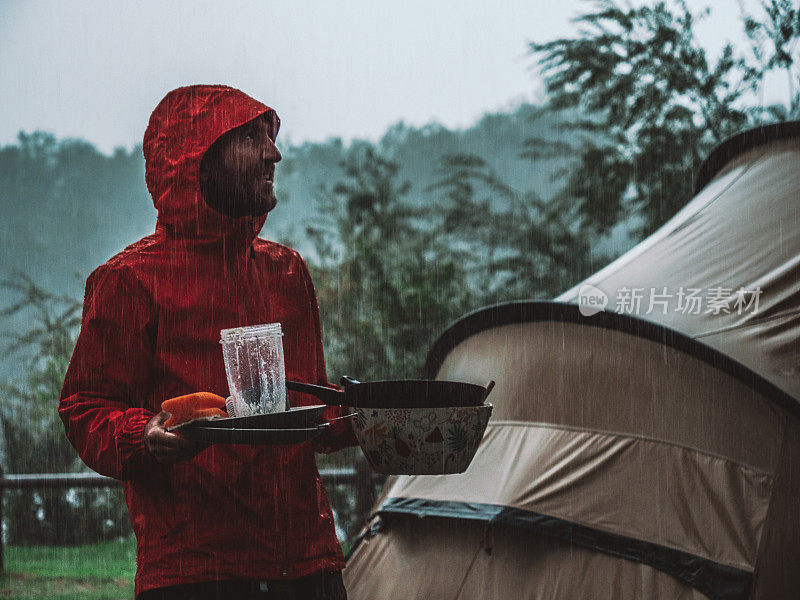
(403, 235)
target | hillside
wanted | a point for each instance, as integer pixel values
(67, 207)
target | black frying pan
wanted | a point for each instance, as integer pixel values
(408, 393)
(294, 418)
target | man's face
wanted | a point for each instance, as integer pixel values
(237, 171)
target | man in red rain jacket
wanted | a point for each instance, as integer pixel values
(228, 521)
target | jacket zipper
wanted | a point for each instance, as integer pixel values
(283, 529)
(250, 267)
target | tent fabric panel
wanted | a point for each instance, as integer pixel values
(728, 177)
(665, 494)
(777, 573)
(728, 151)
(530, 311)
(603, 379)
(450, 558)
(745, 235)
(713, 579)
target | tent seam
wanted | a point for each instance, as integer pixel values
(767, 517)
(567, 519)
(717, 456)
(498, 517)
(786, 313)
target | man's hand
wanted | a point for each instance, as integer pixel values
(167, 446)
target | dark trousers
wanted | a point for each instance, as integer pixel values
(320, 586)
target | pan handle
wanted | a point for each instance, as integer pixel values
(489, 388)
(326, 395)
(347, 380)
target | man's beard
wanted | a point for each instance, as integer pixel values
(239, 200)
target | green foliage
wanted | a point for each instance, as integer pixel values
(33, 436)
(66, 208)
(392, 272)
(309, 167)
(656, 105)
(384, 284)
(774, 42)
(510, 245)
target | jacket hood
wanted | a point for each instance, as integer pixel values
(182, 127)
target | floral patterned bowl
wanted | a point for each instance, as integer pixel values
(420, 441)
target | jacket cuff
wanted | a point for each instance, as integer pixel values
(131, 450)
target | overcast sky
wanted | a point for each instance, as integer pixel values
(96, 69)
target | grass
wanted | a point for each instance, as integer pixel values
(31, 587)
(91, 572)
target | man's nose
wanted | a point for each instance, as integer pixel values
(270, 152)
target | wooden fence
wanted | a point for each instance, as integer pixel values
(359, 476)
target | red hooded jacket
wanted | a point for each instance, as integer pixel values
(150, 331)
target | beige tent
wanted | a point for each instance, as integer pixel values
(740, 232)
(629, 455)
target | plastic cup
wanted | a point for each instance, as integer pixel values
(254, 367)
